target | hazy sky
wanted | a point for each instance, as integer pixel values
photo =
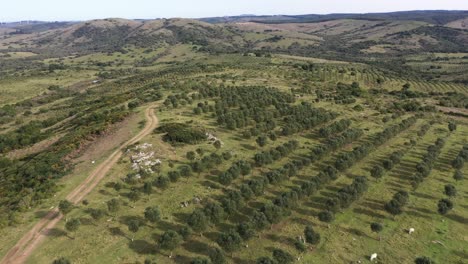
(51, 10)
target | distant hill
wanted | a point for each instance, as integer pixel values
(352, 37)
(437, 17)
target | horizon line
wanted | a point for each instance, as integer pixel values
(239, 15)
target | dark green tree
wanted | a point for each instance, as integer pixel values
(229, 241)
(261, 141)
(326, 216)
(97, 214)
(450, 190)
(452, 126)
(377, 171)
(377, 228)
(265, 260)
(152, 214)
(423, 260)
(133, 226)
(65, 207)
(72, 225)
(170, 240)
(217, 144)
(281, 256)
(198, 221)
(311, 236)
(458, 175)
(191, 155)
(113, 205)
(200, 260)
(217, 256)
(61, 260)
(444, 206)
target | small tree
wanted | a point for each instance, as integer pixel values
(388, 164)
(200, 260)
(217, 144)
(311, 236)
(423, 260)
(133, 226)
(326, 216)
(148, 187)
(300, 245)
(198, 221)
(61, 260)
(65, 207)
(170, 240)
(458, 175)
(72, 225)
(200, 151)
(458, 162)
(265, 260)
(377, 171)
(450, 190)
(152, 214)
(185, 232)
(134, 196)
(113, 205)
(97, 214)
(444, 206)
(190, 155)
(377, 228)
(230, 241)
(217, 256)
(261, 141)
(452, 126)
(282, 256)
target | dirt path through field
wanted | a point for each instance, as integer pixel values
(26, 245)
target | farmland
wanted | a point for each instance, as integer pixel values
(265, 148)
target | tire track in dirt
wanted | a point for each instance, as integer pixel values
(26, 245)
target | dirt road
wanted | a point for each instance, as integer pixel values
(26, 245)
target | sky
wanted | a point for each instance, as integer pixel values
(68, 10)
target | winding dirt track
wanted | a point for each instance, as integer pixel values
(26, 245)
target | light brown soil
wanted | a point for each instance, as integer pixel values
(26, 245)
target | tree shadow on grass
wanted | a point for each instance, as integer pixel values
(417, 214)
(116, 231)
(142, 247)
(181, 259)
(242, 261)
(165, 226)
(315, 205)
(301, 221)
(356, 232)
(423, 210)
(368, 212)
(461, 254)
(372, 205)
(181, 217)
(41, 213)
(424, 195)
(55, 232)
(458, 218)
(306, 212)
(87, 221)
(125, 219)
(196, 247)
(212, 235)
